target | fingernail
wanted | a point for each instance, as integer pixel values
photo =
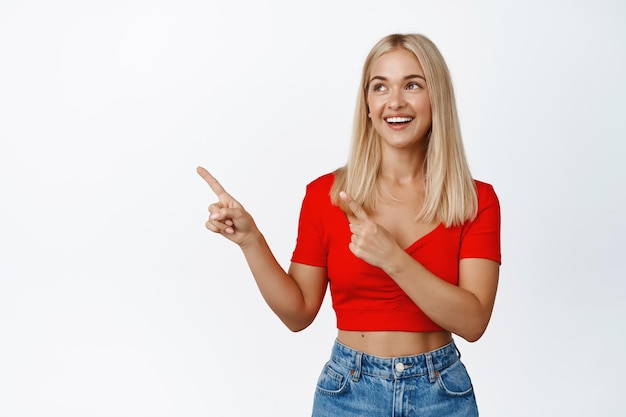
(214, 216)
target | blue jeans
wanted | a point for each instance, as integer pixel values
(355, 384)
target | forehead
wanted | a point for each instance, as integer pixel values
(396, 63)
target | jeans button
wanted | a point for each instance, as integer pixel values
(399, 367)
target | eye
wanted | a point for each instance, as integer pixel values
(413, 86)
(379, 87)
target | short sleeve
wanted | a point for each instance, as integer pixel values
(481, 236)
(310, 247)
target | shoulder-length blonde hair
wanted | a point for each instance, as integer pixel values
(451, 196)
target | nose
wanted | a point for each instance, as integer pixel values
(396, 99)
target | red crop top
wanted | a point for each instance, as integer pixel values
(364, 297)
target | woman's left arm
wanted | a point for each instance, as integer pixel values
(464, 309)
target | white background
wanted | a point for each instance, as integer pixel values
(114, 299)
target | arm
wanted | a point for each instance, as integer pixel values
(464, 309)
(295, 297)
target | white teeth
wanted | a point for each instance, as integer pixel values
(398, 119)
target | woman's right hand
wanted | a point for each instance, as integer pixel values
(227, 217)
(295, 296)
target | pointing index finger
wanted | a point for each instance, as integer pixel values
(213, 183)
(356, 208)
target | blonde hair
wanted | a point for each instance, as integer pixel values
(450, 190)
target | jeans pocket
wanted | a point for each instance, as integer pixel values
(454, 380)
(333, 379)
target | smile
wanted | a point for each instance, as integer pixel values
(398, 119)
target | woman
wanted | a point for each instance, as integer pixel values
(408, 242)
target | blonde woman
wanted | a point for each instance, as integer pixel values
(407, 240)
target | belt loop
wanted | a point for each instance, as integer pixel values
(356, 374)
(432, 374)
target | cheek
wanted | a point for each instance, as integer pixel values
(428, 112)
(427, 106)
(374, 105)
(423, 104)
(424, 109)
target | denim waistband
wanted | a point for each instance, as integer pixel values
(397, 367)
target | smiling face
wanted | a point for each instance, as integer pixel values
(398, 100)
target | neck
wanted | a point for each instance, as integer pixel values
(402, 169)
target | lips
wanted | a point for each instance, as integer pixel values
(398, 120)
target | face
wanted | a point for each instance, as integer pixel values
(398, 101)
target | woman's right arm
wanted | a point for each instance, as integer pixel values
(294, 296)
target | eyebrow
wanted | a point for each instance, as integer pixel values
(408, 77)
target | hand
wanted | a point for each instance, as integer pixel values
(370, 241)
(227, 216)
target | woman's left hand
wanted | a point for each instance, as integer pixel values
(370, 241)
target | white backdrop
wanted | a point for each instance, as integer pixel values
(114, 299)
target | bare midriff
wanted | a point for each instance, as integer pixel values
(392, 343)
